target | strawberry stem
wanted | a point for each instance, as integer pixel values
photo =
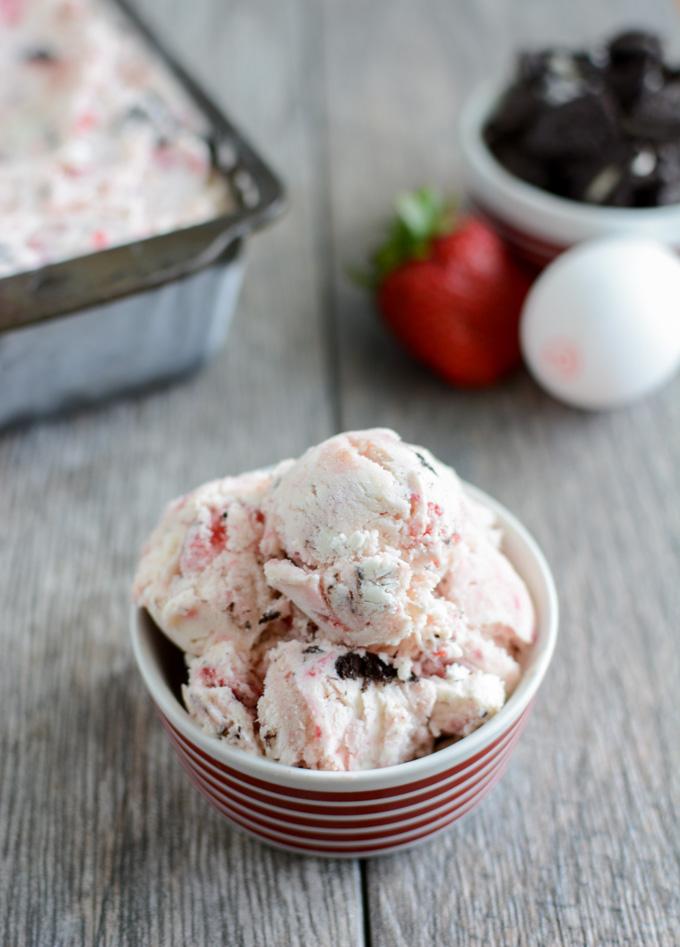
(421, 216)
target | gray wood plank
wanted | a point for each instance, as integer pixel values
(103, 840)
(580, 844)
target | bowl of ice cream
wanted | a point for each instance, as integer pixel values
(579, 145)
(343, 649)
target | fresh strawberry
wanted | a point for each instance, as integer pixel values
(451, 294)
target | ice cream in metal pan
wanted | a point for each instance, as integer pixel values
(128, 195)
(100, 143)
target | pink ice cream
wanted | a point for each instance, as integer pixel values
(100, 144)
(222, 693)
(347, 609)
(483, 583)
(201, 572)
(371, 539)
(324, 707)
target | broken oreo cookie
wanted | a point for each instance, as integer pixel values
(599, 126)
(368, 666)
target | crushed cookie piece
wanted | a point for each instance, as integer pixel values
(40, 54)
(425, 463)
(370, 667)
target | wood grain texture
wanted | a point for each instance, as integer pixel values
(580, 843)
(102, 839)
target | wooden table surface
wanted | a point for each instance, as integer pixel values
(103, 840)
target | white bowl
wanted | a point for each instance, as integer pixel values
(366, 813)
(538, 224)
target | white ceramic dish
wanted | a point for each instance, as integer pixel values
(539, 224)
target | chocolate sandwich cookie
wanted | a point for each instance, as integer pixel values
(601, 126)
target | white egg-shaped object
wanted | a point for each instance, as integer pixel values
(601, 325)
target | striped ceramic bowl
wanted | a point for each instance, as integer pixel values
(540, 225)
(366, 813)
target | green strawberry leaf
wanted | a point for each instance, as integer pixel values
(421, 216)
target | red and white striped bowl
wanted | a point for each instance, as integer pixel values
(540, 225)
(366, 813)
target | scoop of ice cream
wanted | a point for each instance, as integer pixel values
(222, 693)
(360, 529)
(464, 700)
(296, 628)
(361, 492)
(325, 707)
(450, 638)
(201, 572)
(485, 586)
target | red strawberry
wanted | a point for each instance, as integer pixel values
(452, 296)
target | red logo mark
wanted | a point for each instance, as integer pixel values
(563, 357)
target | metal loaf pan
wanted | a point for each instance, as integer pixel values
(107, 322)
